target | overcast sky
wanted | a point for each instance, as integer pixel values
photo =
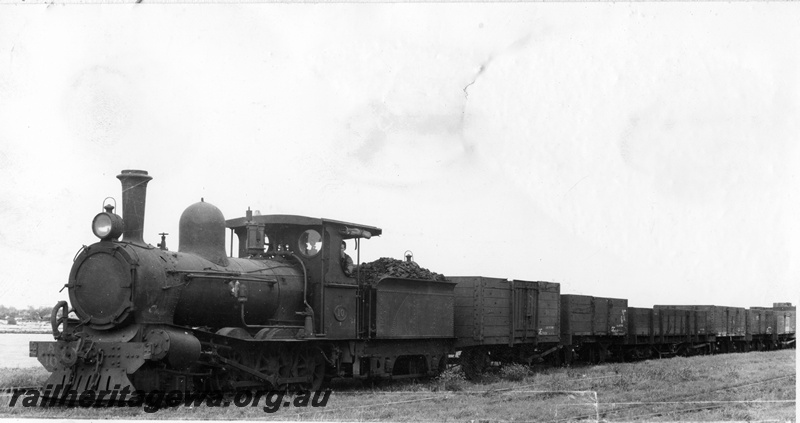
(646, 151)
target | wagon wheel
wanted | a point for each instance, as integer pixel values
(474, 362)
(442, 365)
(310, 363)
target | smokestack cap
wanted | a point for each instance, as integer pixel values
(134, 172)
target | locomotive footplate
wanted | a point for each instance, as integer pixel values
(87, 365)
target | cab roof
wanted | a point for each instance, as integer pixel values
(290, 219)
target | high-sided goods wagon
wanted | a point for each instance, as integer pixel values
(505, 320)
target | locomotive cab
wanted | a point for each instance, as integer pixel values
(315, 244)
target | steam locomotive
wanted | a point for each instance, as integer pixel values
(284, 314)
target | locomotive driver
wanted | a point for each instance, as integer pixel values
(346, 261)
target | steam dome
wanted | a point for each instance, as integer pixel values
(201, 231)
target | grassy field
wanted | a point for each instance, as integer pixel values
(753, 386)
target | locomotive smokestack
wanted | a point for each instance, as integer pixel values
(134, 193)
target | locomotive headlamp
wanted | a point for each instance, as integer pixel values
(107, 225)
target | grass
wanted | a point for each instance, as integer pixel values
(752, 386)
(23, 377)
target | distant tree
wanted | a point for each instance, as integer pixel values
(43, 313)
(8, 311)
(12, 321)
(31, 314)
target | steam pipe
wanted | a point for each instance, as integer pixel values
(134, 194)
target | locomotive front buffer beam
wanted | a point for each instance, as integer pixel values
(83, 366)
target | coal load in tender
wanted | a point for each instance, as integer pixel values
(373, 272)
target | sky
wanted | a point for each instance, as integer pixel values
(646, 151)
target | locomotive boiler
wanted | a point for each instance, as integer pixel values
(283, 314)
(112, 284)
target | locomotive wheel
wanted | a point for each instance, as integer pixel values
(285, 363)
(276, 362)
(234, 379)
(311, 363)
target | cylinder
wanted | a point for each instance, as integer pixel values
(180, 348)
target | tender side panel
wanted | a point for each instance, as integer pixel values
(410, 308)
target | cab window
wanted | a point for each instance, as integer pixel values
(310, 243)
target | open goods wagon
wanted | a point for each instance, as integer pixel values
(505, 320)
(591, 325)
(780, 321)
(659, 332)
